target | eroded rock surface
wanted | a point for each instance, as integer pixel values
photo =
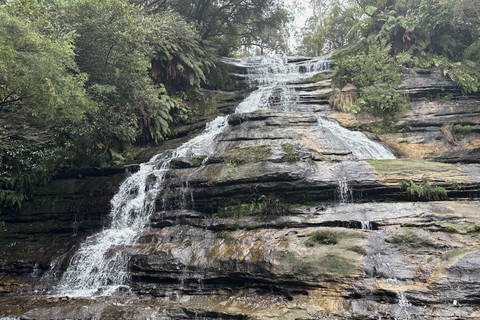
(283, 221)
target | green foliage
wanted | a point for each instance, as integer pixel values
(329, 27)
(88, 78)
(272, 205)
(37, 68)
(21, 168)
(423, 191)
(177, 57)
(291, 154)
(463, 73)
(403, 33)
(227, 24)
(114, 45)
(376, 74)
(463, 129)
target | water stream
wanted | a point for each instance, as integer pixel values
(100, 266)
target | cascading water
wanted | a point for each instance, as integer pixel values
(100, 266)
(358, 143)
(344, 191)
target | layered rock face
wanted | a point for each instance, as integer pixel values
(292, 217)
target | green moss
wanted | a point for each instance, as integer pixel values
(323, 237)
(337, 265)
(413, 166)
(319, 77)
(405, 238)
(289, 149)
(357, 249)
(245, 155)
(414, 237)
(450, 229)
(455, 253)
(474, 229)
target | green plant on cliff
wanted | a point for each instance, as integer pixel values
(463, 129)
(394, 34)
(273, 205)
(290, 152)
(423, 191)
(376, 74)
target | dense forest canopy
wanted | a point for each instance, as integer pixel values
(373, 41)
(81, 81)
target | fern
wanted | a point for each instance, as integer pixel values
(423, 191)
(464, 74)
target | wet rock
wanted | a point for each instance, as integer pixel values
(187, 162)
(210, 250)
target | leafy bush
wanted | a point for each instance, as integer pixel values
(423, 191)
(464, 73)
(463, 129)
(376, 74)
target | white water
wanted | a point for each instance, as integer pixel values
(366, 225)
(358, 143)
(100, 266)
(344, 191)
(403, 305)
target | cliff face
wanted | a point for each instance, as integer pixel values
(437, 107)
(283, 221)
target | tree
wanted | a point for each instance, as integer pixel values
(40, 85)
(224, 24)
(388, 35)
(329, 28)
(177, 59)
(37, 65)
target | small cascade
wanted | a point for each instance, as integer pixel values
(344, 192)
(403, 305)
(366, 225)
(100, 266)
(358, 143)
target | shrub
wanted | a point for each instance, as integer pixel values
(423, 191)
(272, 205)
(463, 129)
(376, 74)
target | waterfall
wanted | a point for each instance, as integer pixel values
(344, 191)
(100, 266)
(358, 143)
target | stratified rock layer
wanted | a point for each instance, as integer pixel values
(282, 222)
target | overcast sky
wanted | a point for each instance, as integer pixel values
(301, 10)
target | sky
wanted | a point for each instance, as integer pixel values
(301, 10)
